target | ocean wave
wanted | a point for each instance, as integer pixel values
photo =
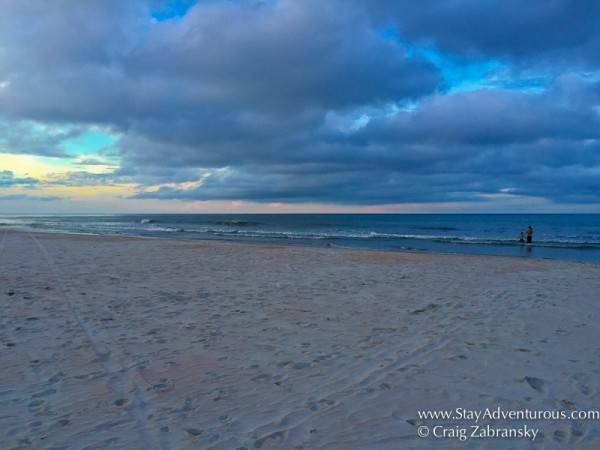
(440, 239)
(239, 223)
(571, 244)
(270, 234)
(440, 228)
(582, 241)
(157, 228)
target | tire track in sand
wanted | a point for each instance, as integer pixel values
(125, 381)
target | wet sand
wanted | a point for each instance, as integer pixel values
(149, 343)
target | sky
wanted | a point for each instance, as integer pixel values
(367, 106)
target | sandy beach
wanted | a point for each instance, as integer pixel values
(137, 343)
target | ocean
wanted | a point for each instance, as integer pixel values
(559, 236)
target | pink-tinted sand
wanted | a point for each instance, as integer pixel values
(148, 343)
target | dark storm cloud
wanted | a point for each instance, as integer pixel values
(93, 162)
(534, 30)
(315, 101)
(26, 138)
(567, 111)
(450, 147)
(285, 58)
(60, 59)
(221, 58)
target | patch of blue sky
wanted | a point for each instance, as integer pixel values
(464, 75)
(469, 75)
(172, 9)
(532, 84)
(459, 74)
(354, 120)
(346, 123)
(392, 34)
(90, 143)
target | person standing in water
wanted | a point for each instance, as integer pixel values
(521, 237)
(529, 233)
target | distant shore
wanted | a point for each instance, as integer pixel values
(158, 343)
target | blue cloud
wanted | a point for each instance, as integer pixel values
(7, 179)
(34, 198)
(337, 101)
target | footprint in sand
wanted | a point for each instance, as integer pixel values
(278, 436)
(568, 405)
(327, 357)
(399, 415)
(59, 376)
(320, 405)
(429, 307)
(194, 431)
(535, 383)
(45, 393)
(580, 384)
(523, 350)
(571, 436)
(165, 385)
(301, 365)
(37, 406)
(120, 402)
(266, 378)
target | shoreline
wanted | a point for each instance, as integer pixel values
(169, 343)
(293, 244)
